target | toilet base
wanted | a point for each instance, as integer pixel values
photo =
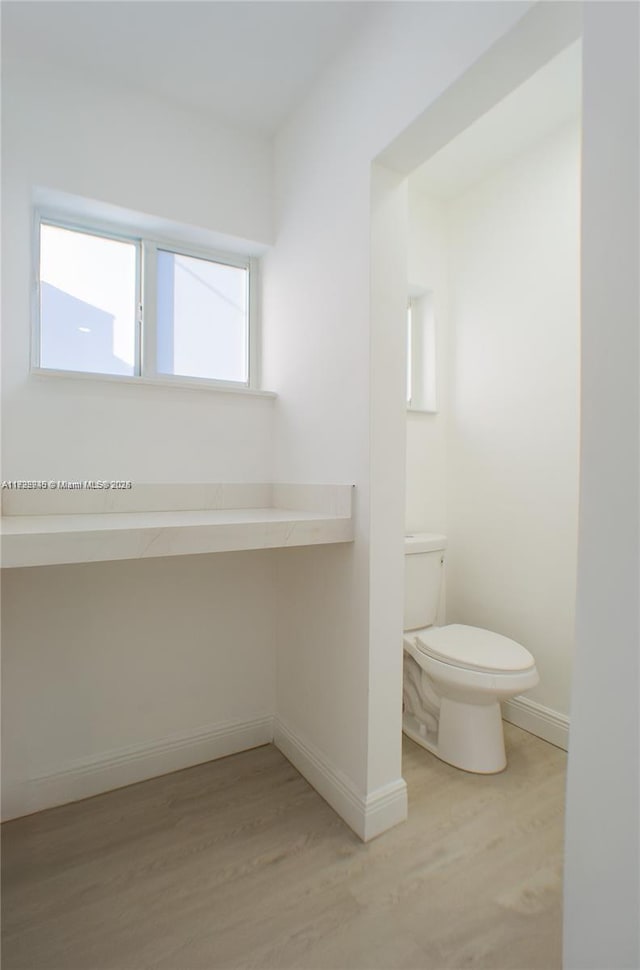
(469, 736)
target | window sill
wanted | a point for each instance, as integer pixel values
(192, 384)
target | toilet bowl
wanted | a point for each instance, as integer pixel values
(455, 676)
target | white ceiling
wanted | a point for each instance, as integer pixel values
(549, 99)
(245, 63)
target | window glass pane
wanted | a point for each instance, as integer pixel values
(87, 302)
(421, 354)
(202, 318)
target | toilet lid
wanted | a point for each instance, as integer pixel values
(473, 648)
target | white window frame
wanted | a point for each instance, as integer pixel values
(145, 363)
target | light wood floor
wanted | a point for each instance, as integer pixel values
(240, 864)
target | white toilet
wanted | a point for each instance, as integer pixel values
(454, 676)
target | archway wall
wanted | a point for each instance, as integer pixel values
(602, 896)
(335, 360)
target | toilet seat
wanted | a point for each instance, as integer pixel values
(472, 648)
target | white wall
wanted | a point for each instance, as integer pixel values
(389, 232)
(99, 659)
(428, 268)
(328, 365)
(513, 407)
(128, 150)
(602, 896)
(497, 467)
(104, 656)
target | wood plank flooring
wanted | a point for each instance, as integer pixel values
(240, 864)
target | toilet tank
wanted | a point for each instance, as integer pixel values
(423, 566)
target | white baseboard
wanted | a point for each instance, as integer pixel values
(384, 808)
(537, 719)
(126, 766)
(368, 815)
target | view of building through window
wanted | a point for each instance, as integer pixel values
(201, 318)
(91, 286)
(87, 302)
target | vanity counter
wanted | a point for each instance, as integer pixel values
(56, 535)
